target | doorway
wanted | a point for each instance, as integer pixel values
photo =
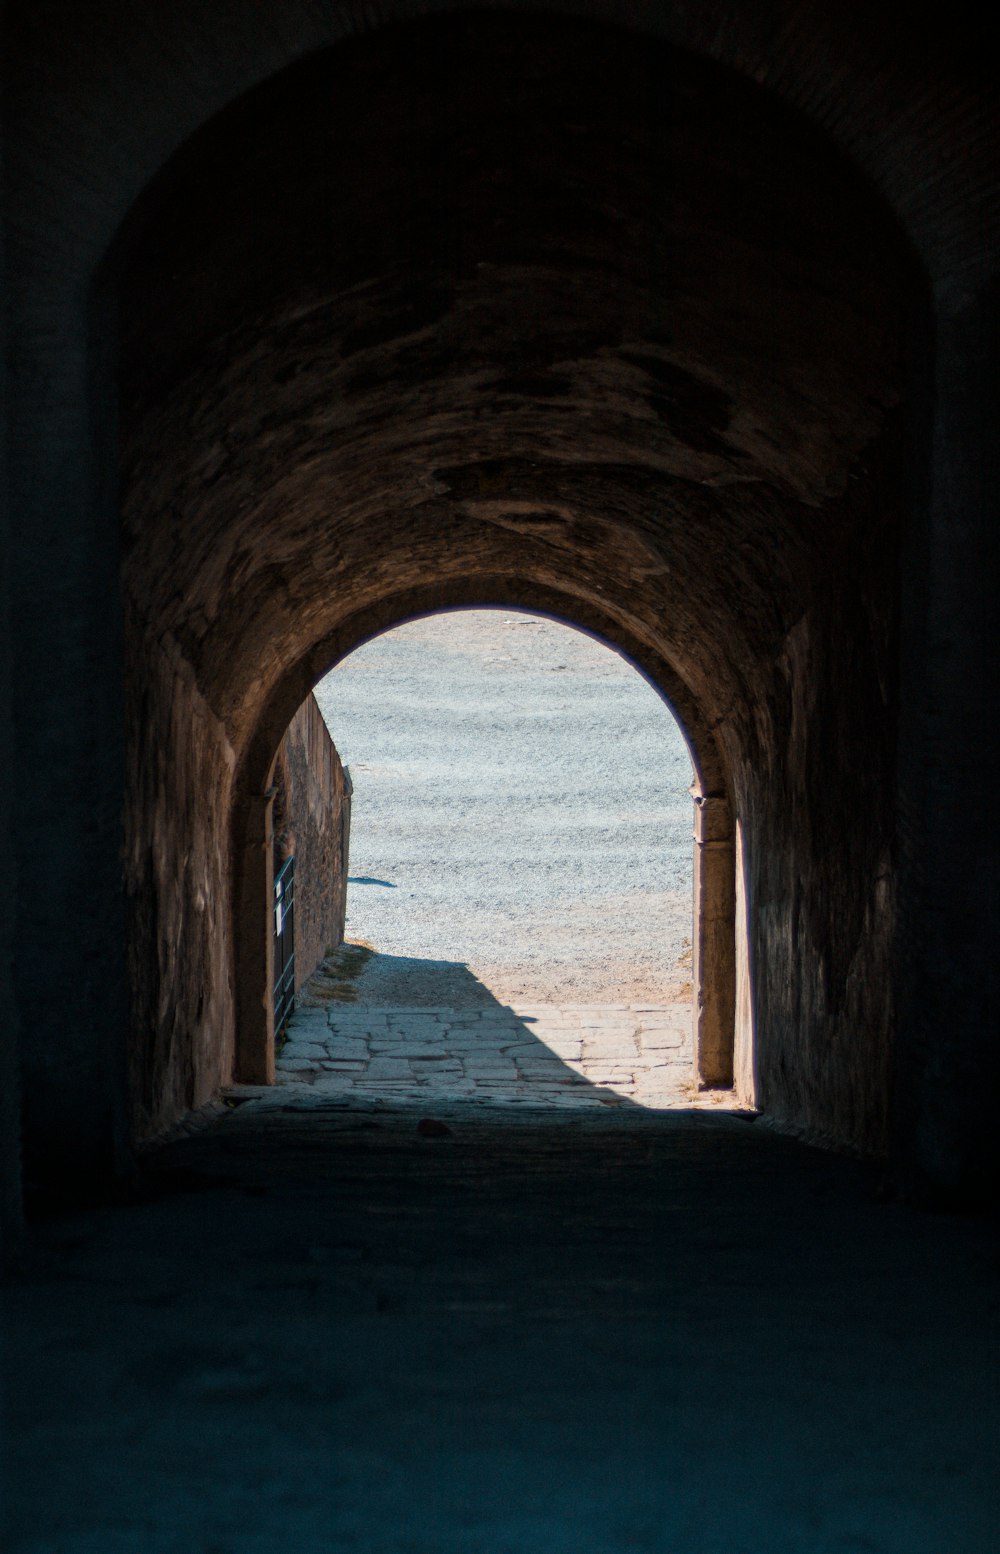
(519, 906)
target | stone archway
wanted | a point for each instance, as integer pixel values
(714, 907)
(531, 306)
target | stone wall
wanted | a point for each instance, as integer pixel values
(176, 866)
(315, 826)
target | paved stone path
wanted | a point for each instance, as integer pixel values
(571, 1055)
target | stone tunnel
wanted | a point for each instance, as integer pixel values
(497, 309)
(675, 324)
(511, 311)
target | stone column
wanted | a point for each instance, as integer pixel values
(744, 1062)
(714, 940)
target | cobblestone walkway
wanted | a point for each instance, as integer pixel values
(572, 1055)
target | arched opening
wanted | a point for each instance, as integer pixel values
(708, 919)
(535, 315)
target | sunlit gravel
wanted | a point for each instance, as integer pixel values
(520, 807)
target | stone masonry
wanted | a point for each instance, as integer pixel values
(572, 1055)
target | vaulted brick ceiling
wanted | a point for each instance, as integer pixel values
(524, 302)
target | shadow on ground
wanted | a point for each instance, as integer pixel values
(566, 1333)
(413, 1028)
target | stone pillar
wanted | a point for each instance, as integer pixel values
(744, 1059)
(714, 940)
(254, 1059)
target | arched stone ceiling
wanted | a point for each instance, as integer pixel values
(516, 298)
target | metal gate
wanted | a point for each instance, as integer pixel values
(284, 944)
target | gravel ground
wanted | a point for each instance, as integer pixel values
(521, 816)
